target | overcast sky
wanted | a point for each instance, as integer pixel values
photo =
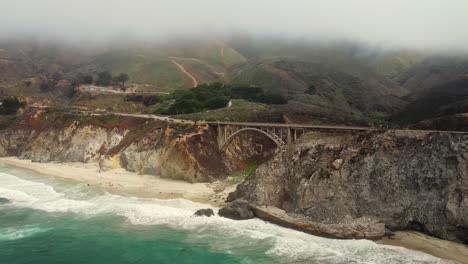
(412, 23)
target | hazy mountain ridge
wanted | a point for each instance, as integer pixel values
(337, 81)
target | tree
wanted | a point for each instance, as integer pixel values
(10, 105)
(121, 79)
(185, 106)
(311, 90)
(87, 79)
(46, 85)
(272, 98)
(250, 92)
(57, 76)
(217, 102)
(151, 100)
(104, 79)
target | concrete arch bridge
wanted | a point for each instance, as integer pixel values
(281, 134)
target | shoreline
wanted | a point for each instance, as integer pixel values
(434, 246)
(122, 182)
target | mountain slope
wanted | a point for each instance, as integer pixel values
(329, 79)
(151, 66)
(435, 70)
(442, 100)
(439, 87)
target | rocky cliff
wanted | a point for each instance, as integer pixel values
(177, 150)
(351, 186)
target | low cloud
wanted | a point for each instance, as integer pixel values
(422, 24)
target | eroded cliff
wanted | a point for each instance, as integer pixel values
(177, 150)
(346, 185)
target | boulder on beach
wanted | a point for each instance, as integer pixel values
(204, 212)
(237, 210)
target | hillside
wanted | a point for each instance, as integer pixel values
(395, 64)
(439, 87)
(329, 79)
(442, 100)
(154, 67)
(435, 70)
(340, 83)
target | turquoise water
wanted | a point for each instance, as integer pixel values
(48, 220)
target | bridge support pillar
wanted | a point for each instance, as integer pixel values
(221, 136)
(289, 137)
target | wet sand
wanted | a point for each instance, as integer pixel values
(122, 182)
(431, 245)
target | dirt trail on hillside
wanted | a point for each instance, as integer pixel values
(222, 52)
(194, 81)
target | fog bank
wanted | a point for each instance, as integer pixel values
(428, 24)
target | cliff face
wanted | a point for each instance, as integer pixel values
(406, 180)
(183, 151)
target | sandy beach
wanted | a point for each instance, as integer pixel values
(122, 182)
(431, 245)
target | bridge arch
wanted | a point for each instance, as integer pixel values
(278, 141)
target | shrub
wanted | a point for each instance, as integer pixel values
(104, 79)
(151, 100)
(185, 106)
(311, 90)
(250, 93)
(272, 98)
(46, 85)
(121, 79)
(87, 79)
(10, 105)
(217, 102)
(216, 95)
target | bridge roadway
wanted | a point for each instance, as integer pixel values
(266, 125)
(281, 134)
(254, 124)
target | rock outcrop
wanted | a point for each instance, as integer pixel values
(204, 212)
(237, 210)
(401, 179)
(184, 151)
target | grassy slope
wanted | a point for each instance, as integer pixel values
(439, 87)
(442, 100)
(395, 64)
(343, 84)
(434, 71)
(150, 65)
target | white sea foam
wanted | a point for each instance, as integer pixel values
(224, 235)
(13, 233)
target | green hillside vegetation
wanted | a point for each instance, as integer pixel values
(10, 105)
(215, 53)
(336, 83)
(434, 71)
(240, 111)
(108, 102)
(214, 96)
(442, 100)
(336, 90)
(159, 72)
(396, 64)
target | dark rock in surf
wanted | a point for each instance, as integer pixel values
(237, 210)
(4, 200)
(204, 212)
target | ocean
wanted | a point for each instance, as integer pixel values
(45, 220)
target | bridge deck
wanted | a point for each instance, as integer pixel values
(297, 126)
(324, 127)
(254, 124)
